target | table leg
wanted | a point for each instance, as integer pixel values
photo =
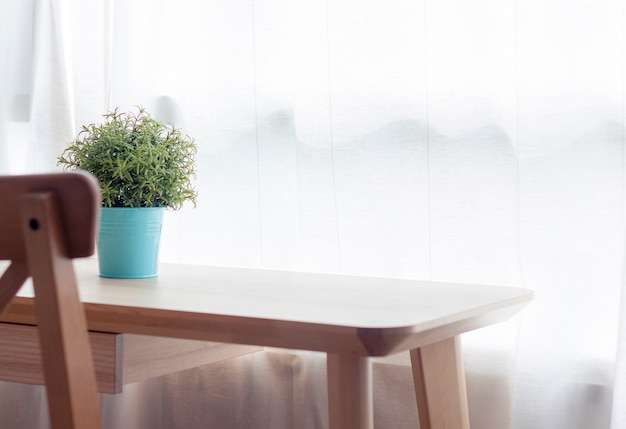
(349, 392)
(440, 385)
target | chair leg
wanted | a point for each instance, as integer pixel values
(67, 359)
(349, 392)
(11, 282)
(440, 385)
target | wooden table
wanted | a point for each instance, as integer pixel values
(349, 318)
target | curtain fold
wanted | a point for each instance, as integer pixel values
(15, 82)
(443, 140)
(52, 106)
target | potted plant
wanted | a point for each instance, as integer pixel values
(143, 167)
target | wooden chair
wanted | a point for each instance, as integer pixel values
(45, 221)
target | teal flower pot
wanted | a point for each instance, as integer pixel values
(128, 241)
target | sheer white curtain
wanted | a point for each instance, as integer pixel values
(479, 142)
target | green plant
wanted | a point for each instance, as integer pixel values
(139, 161)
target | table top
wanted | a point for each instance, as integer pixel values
(322, 312)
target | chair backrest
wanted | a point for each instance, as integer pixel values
(47, 220)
